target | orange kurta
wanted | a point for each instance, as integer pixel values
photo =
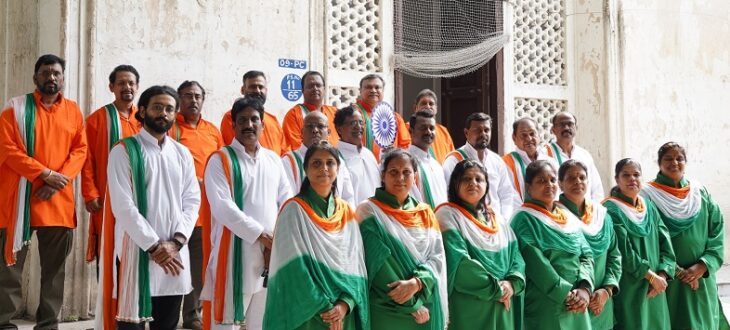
(272, 137)
(93, 174)
(294, 120)
(202, 141)
(442, 143)
(60, 145)
(402, 136)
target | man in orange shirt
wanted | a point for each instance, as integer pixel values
(43, 147)
(272, 137)
(442, 143)
(313, 90)
(371, 92)
(202, 138)
(104, 127)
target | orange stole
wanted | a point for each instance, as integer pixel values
(492, 229)
(420, 216)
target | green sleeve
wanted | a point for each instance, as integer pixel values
(427, 280)
(713, 255)
(543, 275)
(667, 260)
(516, 273)
(376, 252)
(472, 279)
(389, 273)
(613, 266)
(633, 264)
(585, 272)
(344, 297)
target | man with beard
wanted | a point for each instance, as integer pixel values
(314, 130)
(478, 133)
(430, 187)
(313, 91)
(527, 140)
(371, 92)
(563, 148)
(272, 137)
(360, 162)
(104, 127)
(154, 199)
(246, 186)
(42, 148)
(202, 138)
(442, 143)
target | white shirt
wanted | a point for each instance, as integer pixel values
(344, 181)
(363, 168)
(594, 190)
(265, 190)
(173, 200)
(434, 173)
(502, 194)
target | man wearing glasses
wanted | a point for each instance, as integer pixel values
(360, 161)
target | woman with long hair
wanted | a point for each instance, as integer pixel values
(484, 266)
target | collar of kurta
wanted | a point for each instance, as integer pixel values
(39, 102)
(621, 196)
(419, 153)
(311, 107)
(241, 150)
(302, 151)
(572, 207)
(665, 180)
(365, 106)
(389, 199)
(324, 207)
(182, 122)
(349, 148)
(147, 138)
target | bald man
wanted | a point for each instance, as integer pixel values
(314, 130)
(527, 140)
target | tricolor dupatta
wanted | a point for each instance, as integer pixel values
(18, 231)
(679, 207)
(297, 166)
(424, 185)
(133, 285)
(315, 262)
(228, 304)
(113, 125)
(517, 166)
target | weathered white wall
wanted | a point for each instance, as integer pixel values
(672, 84)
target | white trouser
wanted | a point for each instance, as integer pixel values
(254, 306)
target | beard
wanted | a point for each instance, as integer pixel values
(49, 88)
(258, 96)
(157, 125)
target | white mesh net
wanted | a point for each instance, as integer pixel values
(446, 38)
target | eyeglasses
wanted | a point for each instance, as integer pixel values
(160, 108)
(311, 127)
(51, 73)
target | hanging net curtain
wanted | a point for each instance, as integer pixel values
(446, 38)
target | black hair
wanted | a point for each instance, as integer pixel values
(476, 116)
(324, 146)
(188, 83)
(517, 123)
(393, 154)
(253, 74)
(669, 146)
(311, 73)
(342, 114)
(49, 59)
(247, 102)
(535, 168)
(149, 93)
(552, 120)
(123, 68)
(371, 76)
(570, 163)
(620, 166)
(420, 113)
(455, 182)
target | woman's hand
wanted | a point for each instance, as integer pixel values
(598, 301)
(657, 284)
(402, 291)
(507, 292)
(577, 300)
(421, 315)
(335, 315)
(693, 273)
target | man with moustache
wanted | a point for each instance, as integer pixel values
(315, 130)
(360, 162)
(104, 127)
(564, 127)
(442, 143)
(202, 138)
(313, 87)
(246, 186)
(527, 140)
(371, 92)
(478, 132)
(42, 148)
(430, 187)
(272, 137)
(153, 205)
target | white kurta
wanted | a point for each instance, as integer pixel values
(435, 175)
(173, 200)
(502, 194)
(363, 168)
(265, 190)
(594, 190)
(344, 180)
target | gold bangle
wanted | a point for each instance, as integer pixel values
(651, 279)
